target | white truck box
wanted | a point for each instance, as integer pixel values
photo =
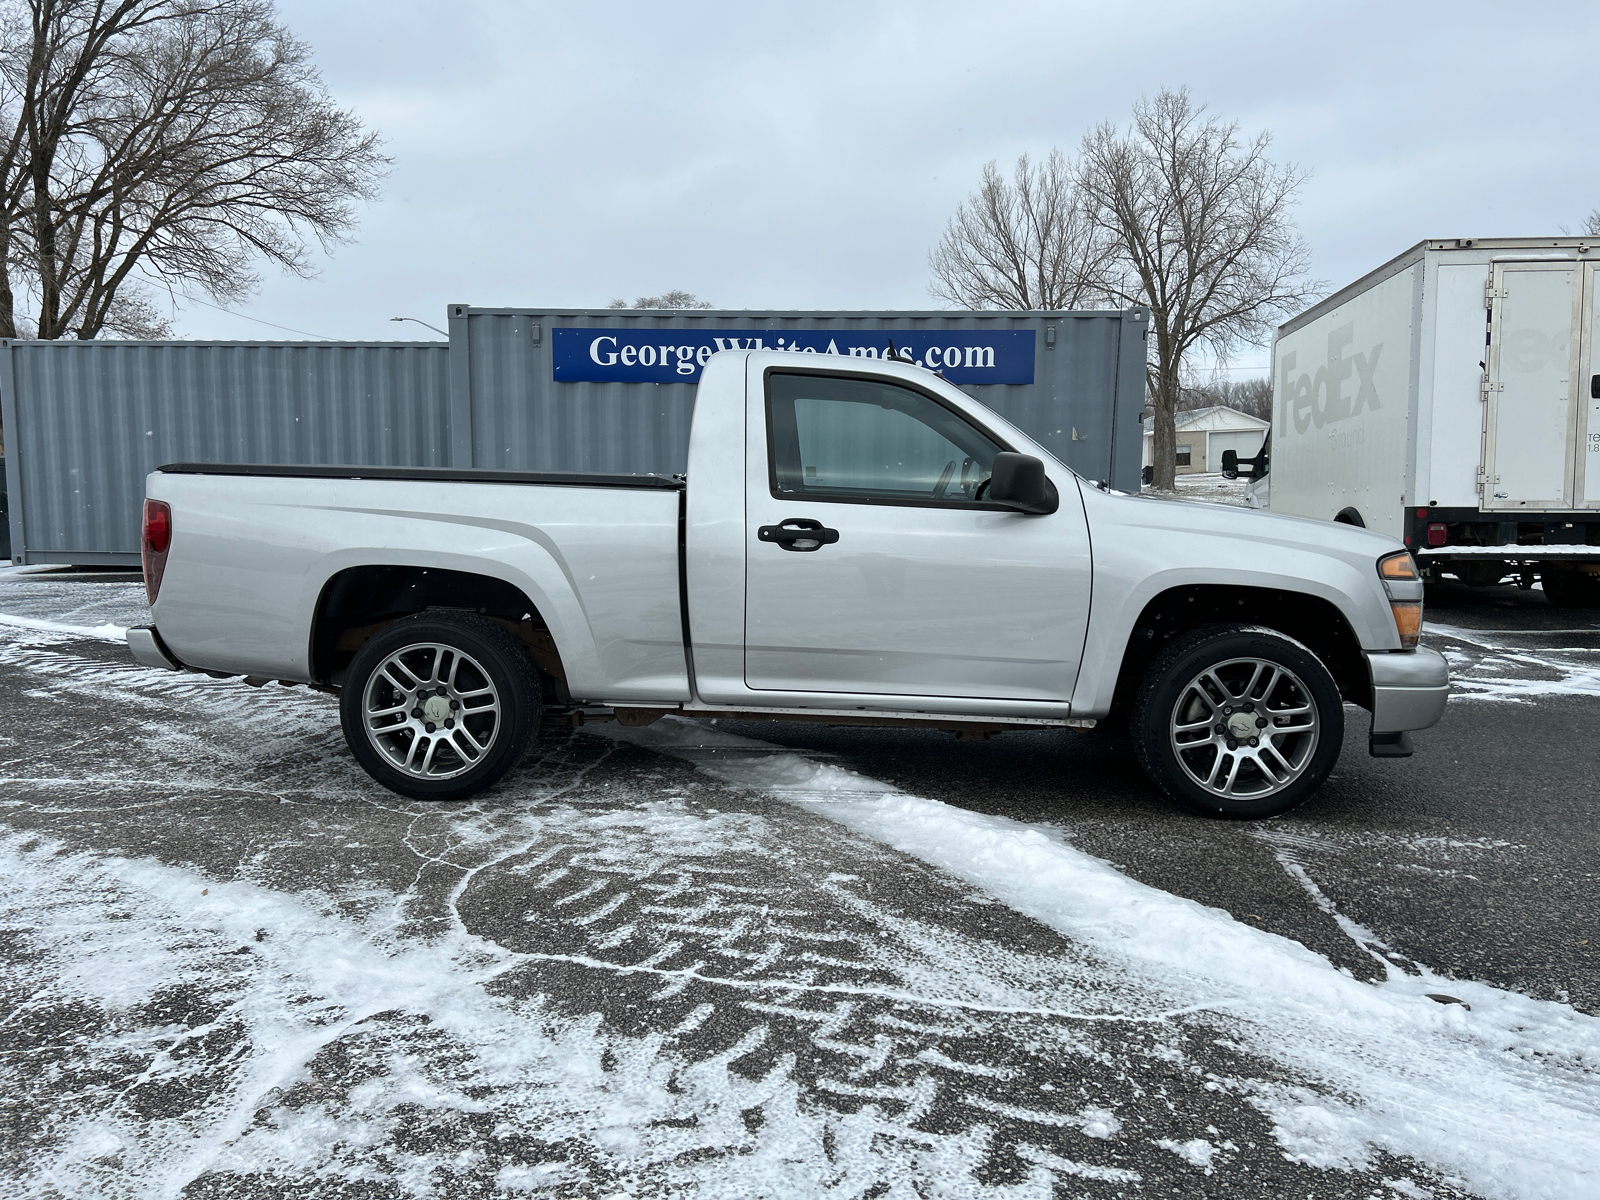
(1451, 398)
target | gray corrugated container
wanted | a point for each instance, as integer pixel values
(1083, 404)
(85, 422)
(5, 518)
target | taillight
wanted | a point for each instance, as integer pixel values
(155, 544)
(1438, 535)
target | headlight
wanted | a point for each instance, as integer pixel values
(1404, 587)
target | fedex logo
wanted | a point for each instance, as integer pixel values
(1322, 399)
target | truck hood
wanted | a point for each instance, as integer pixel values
(1247, 525)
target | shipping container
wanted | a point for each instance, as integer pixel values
(5, 518)
(609, 390)
(1452, 398)
(85, 422)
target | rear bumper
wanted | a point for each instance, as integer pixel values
(150, 650)
(1409, 689)
(1527, 556)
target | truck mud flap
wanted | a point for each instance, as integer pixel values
(1389, 745)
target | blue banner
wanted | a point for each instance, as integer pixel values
(632, 355)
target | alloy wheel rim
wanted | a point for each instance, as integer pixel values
(1244, 729)
(431, 711)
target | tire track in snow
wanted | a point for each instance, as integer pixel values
(1506, 1096)
(449, 998)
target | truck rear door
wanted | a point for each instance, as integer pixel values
(1532, 415)
(1587, 483)
(913, 584)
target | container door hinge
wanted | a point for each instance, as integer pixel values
(1492, 293)
(1486, 388)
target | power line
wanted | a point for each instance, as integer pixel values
(259, 321)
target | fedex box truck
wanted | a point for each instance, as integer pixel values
(1452, 398)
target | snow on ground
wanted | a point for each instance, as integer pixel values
(1504, 1094)
(62, 600)
(1505, 666)
(1196, 1151)
(107, 632)
(613, 976)
(1208, 486)
(603, 981)
(220, 1028)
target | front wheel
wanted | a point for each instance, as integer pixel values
(1238, 722)
(439, 706)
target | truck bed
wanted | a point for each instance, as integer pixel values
(598, 555)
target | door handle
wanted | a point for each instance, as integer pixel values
(1594, 387)
(798, 533)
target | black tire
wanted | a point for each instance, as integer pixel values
(475, 663)
(1480, 575)
(1570, 588)
(1303, 758)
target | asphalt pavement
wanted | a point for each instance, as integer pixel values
(236, 967)
(1478, 855)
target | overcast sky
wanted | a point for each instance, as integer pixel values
(808, 156)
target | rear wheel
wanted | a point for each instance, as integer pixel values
(1570, 587)
(1479, 574)
(439, 706)
(1238, 722)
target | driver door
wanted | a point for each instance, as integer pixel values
(915, 585)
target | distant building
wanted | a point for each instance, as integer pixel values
(1204, 433)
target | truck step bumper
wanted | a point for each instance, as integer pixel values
(150, 650)
(1409, 691)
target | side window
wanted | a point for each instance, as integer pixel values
(858, 439)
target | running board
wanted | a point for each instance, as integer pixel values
(639, 716)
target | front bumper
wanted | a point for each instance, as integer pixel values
(1409, 691)
(150, 650)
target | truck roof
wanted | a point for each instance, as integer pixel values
(1581, 245)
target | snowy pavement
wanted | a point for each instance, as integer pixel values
(1209, 486)
(777, 960)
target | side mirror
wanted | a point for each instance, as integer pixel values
(1018, 481)
(1230, 464)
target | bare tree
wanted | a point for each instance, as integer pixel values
(1250, 396)
(163, 142)
(1591, 224)
(1201, 223)
(1021, 243)
(676, 298)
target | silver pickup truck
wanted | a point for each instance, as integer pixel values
(856, 542)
